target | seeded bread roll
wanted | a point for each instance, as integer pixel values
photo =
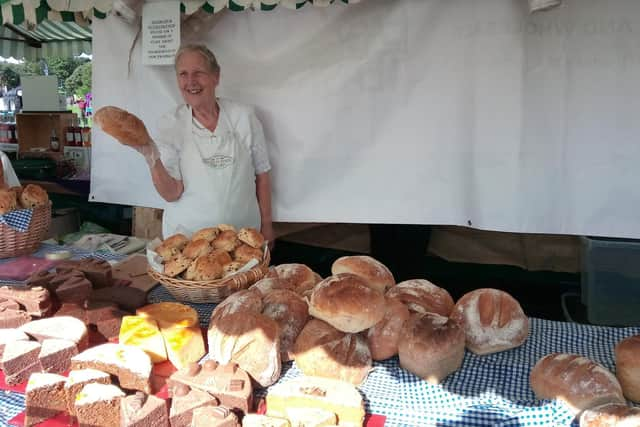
(33, 196)
(207, 268)
(422, 296)
(578, 381)
(323, 351)
(221, 256)
(301, 277)
(226, 227)
(245, 253)
(231, 268)
(493, 321)
(196, 248)
(226, 241)
(122, 125)
(176, 265)
(291, 312)
(171, 246)
(611, 415)
(346, 303)
(251, 237)
(383, 337)
(208, 234)
(17, 190)
(7, 201)
(375, 274)
(431, 346)
(628, 367)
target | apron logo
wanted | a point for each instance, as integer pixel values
(220, 161)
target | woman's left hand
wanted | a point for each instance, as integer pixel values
(269, 235)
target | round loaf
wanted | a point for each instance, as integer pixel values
(221, 256)
(208, 234)
(383, 337)
(322, 350)
(422, 296)
(375, 274)
(122, 125)
(7, 201)
(493, 321)
(176, 265)
(628, 367)
(251, 237)
(33, 196)
(346, 303)
(226, 241)
(245, 253)
(226, 227)
(206, 268)
(246, 300)
(431, 346)
(291, 312)
(166, 252)
(269, 284)
(576, 380)
(301, 277)
(196, 248)
(178, 241)
(611, 415)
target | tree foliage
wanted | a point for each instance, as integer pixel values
(79, 82)
(74, 74)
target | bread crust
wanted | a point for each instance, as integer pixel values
(251, 237)
(611, 415)
(209, 234)
(291, 312)
(197, 248)
(627, 354)
(383, 337)
(226, 241)
(299, 276)
(375, 274)
(422, 296)
(124, 126)
(245, 253)
(7, 201)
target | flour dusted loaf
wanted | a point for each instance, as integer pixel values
(346, 303)
(383, 337)
(291, 312)
(422, 296)
(493, 321)
(375, 274)
(577, 380)
(298, 277)
(627, 354)
(611, 415)
(127, 128)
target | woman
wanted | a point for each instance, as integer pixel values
(210, 161)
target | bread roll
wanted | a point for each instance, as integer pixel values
(383, 337)
(205, 267)
(322, 350)
(628, 367)
(301, 277)
(250, 340)
(221, 256)
(346, 303)
(208, 234)
(493, 321)
(176, 265)
(226, 227)
(611, 415)
(578, 381)
(178, 241)
(226, 241)
(291, 312)
(7, 201)
(231, 268)
(375, 274)
(422, 296)
(245, 253)
(122, 125)
(33, 196)
(431, 346)
(196, 248)
(251, 237)
(269, 284)
(17, 190)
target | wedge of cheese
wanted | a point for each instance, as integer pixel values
(169, 314)
(184, 345)
(144, 333)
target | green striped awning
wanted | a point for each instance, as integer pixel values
(61, 39)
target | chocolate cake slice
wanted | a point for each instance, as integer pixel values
(77, 380)
(44, 397)
(19, 360)
(55, 355)
(40, 278)
(7, 336)
(62, 276)
(61, 327)
(143, 410)
(98, 271)
(36, 301)
(98, 405)
(125, 297)
(74, 290)
(184, 401)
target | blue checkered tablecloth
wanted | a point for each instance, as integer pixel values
(19, 220)
(491, 390)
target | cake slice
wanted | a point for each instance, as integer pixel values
(255, 420)
(61, 327)
(8, 335)
(77, 380)
(74, 290)
(130, 364)
(98, 405)
(55, 355)
(44, 397)
(334, 396)
(184, 345)
(143, 410)
(20, 360)
(184, 402)
(214, 416)
(311, 417)
(143, 332)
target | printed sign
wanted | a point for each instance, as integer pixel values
(160, 32)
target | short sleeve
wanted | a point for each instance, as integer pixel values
(258, 145)
(10, 177)
(169, 139)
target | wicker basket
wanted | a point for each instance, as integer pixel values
(15, 243)
(211, 291)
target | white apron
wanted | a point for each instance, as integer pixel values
(219, 180)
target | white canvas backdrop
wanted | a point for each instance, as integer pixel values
(416, 111)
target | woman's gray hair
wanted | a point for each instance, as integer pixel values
(209, 57)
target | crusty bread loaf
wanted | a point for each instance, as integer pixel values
(7, 201)
(291, 312)
(611, 415)
(196, 248)
(127, 128)
(251, 237)
(628, 367)
(375, 274)
(422, 296)
(246, 300)
(493, 320)
(431, 346)
(33, 196)
(346, 303)
(383, 337)
(250, 340)
(300, 277)
(322, 350)
(268, 284)
(245, 253)
(578, 381)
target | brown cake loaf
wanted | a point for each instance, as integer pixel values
(75, 290)
(322, 350)
(36, 301)
(214, 416)
(627, 354)
(580, 382)
(375, 274)
(493, 321)
(383, 337)
(19, 360)
(98, 271)
(422, 296)
(55, 355)
(40, 278)
(9, 335)
(291, 312)
(98, 405)
(33, 196)
(611, 415)
(251, 237)
(298, 276)
(431, 346)
(346, 303)
(127, 128)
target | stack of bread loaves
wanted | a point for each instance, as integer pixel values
(211, 253)
(29, 197)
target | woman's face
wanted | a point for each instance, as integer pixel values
(196, 81)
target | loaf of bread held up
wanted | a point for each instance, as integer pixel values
(127, 128)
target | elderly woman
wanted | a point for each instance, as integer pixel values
(209, 159)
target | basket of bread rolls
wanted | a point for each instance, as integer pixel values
(15, 204)
(211, 264)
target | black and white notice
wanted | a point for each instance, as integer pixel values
(160, 32)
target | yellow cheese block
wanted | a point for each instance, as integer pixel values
(169, 314)
(184, 345)
(143, 333)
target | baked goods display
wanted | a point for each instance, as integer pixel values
(28, 197)
(375, 274)
(124, 126)
(627, 354)
(141, 409)
(422, 296)
(98, 405)
(44, 397)
(383, 337)
(611, 415)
